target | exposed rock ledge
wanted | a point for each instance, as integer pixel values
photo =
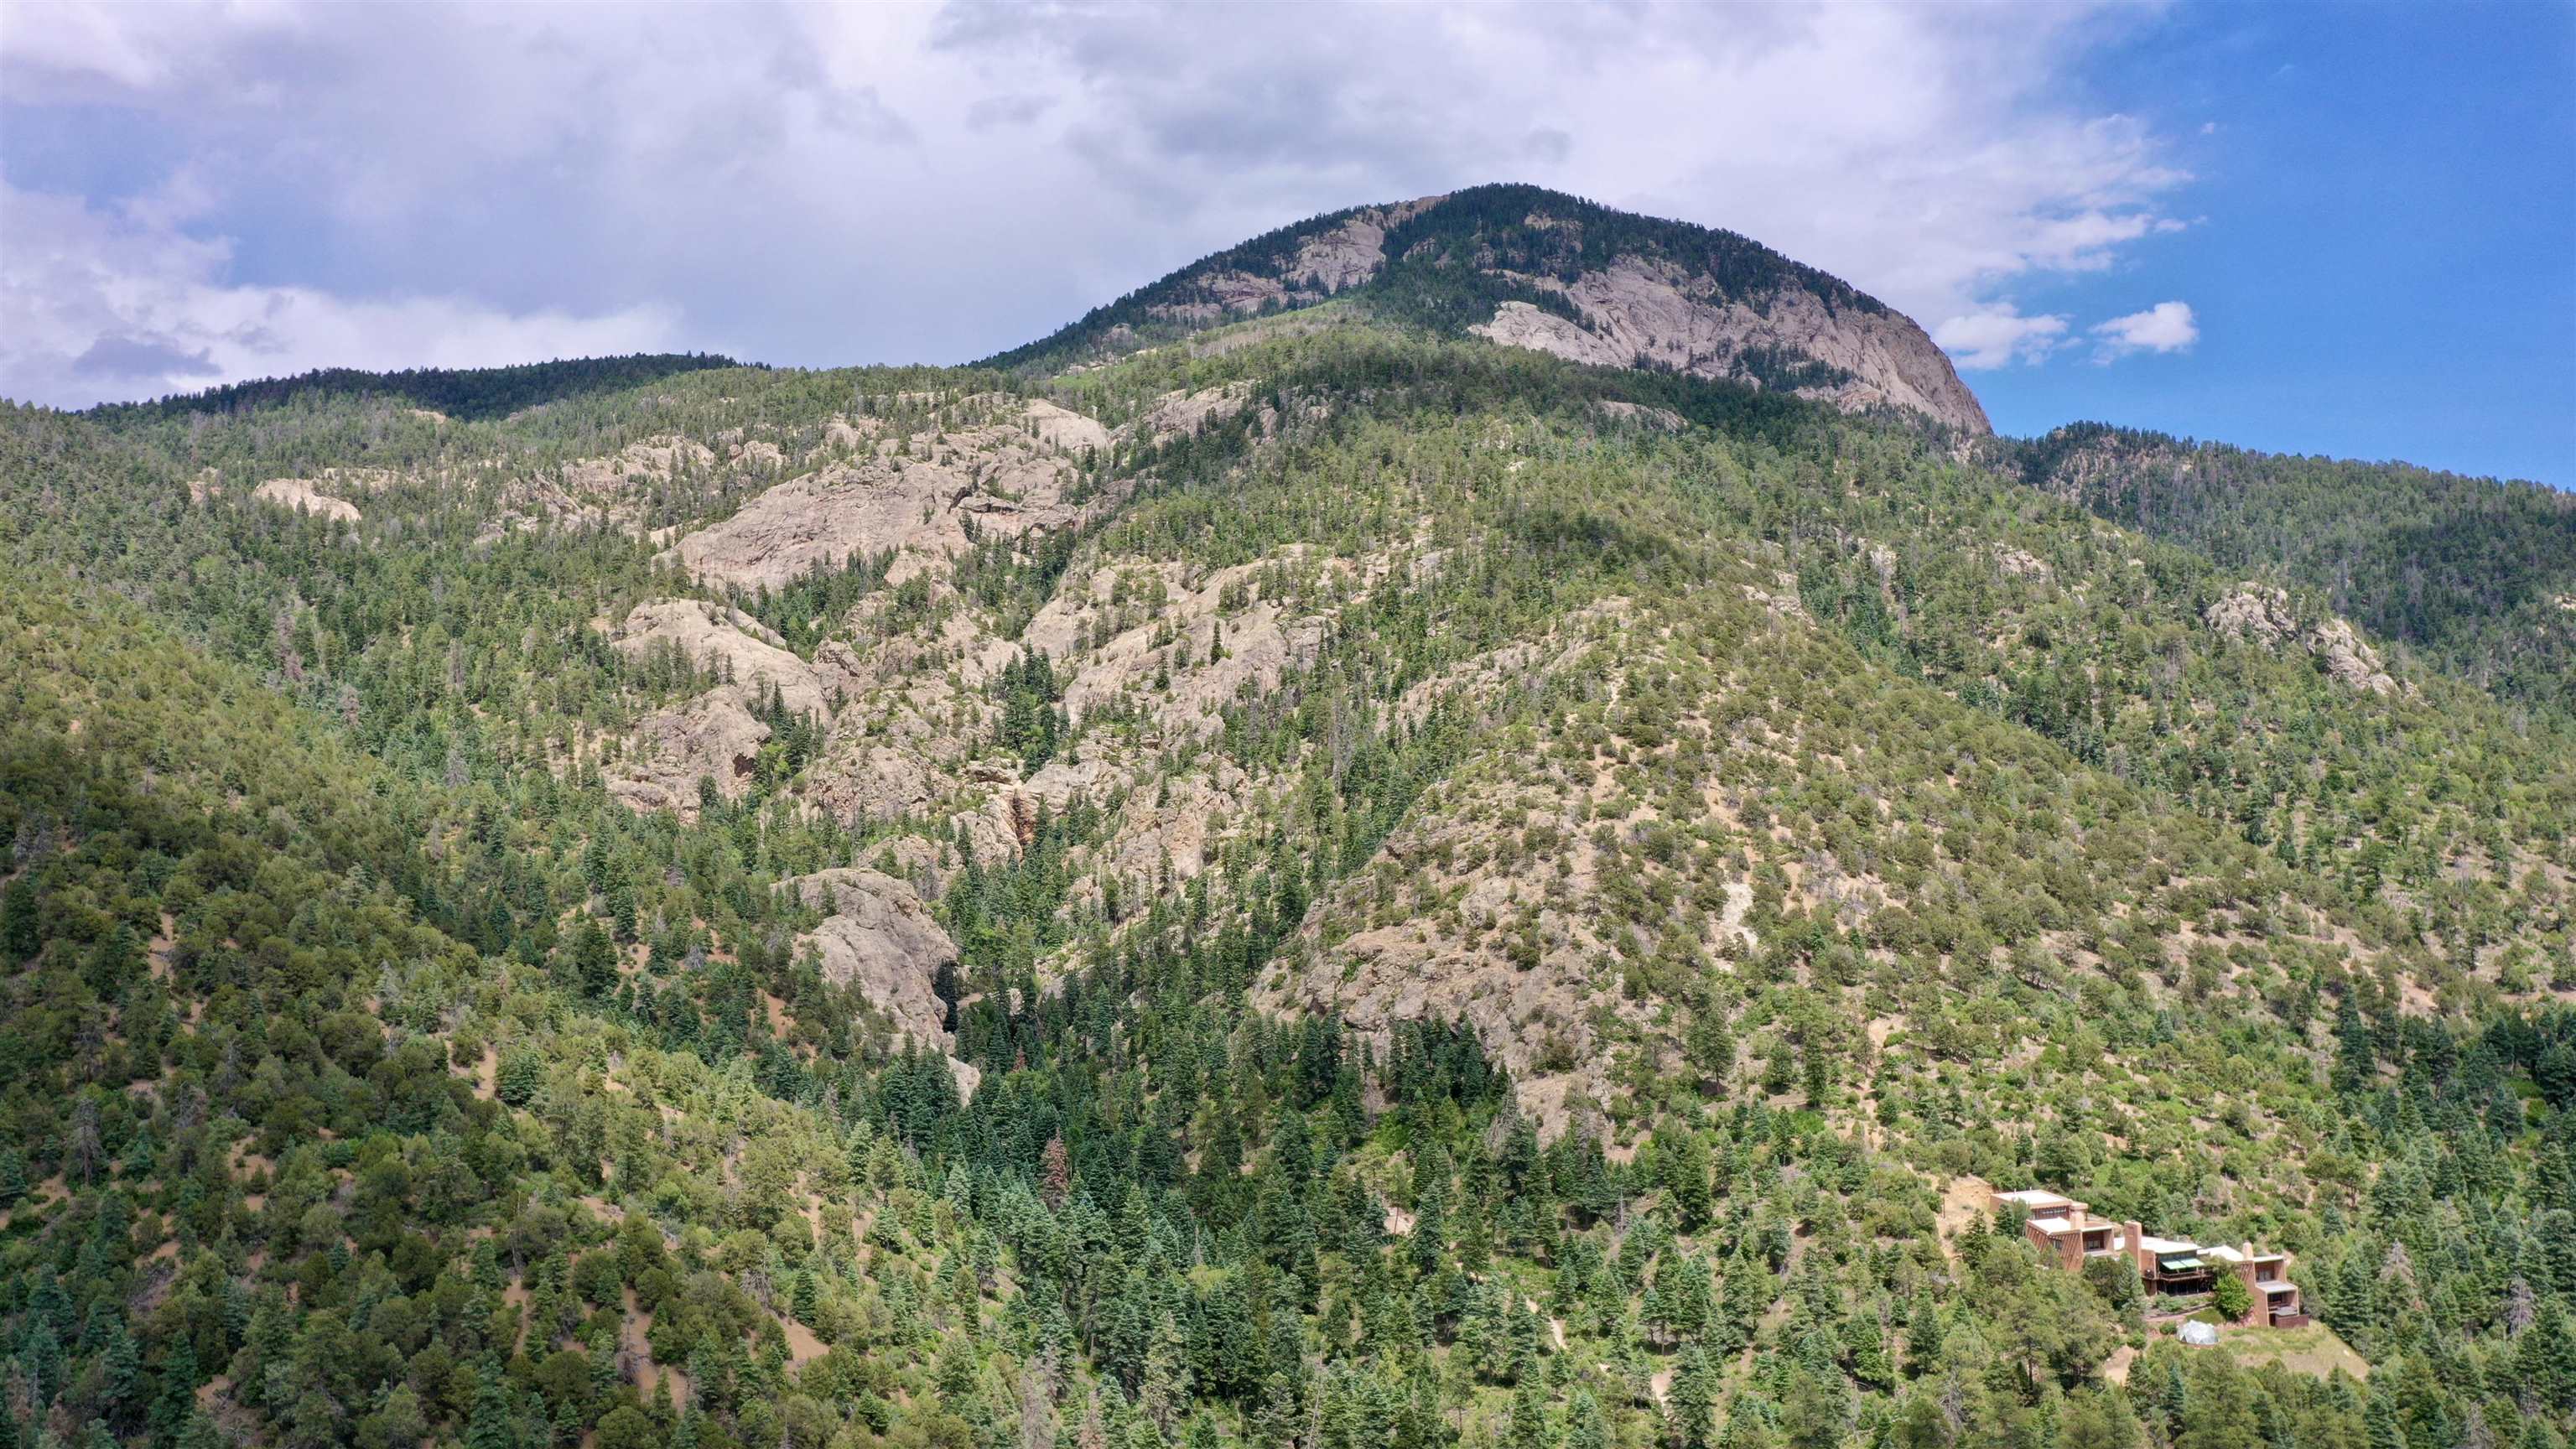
(1008, 471)
(300, 494)
(1657, 314)
(2262, 615)
(731, 644)
(1326, 262)
(881, 939)
(716, 735)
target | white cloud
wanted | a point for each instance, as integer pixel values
(895, 182)
(2164, 327)
(97, 307)
(1998, 336)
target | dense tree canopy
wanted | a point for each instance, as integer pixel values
(374, 1074)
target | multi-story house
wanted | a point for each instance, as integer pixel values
(2065, 1230)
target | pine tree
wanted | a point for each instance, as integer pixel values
(1868, 1351)
(1707, 1043)
(2380, 1427)
(493, 1422)
(1276, 1423)
(1922, 1336)
(1586, 1427)
(1165, 1388)
(200, 1432)
(42, 1359)
(1055, 1173)
(1694, 1400)
(594, 958)
(2097, 1419)
(18, 923)
(2219, 1411)
(1529, 1427)
(121, 1364)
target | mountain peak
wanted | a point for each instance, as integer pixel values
(1523, 266)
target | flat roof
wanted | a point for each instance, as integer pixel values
(2052, 1226)
(2036, 1198)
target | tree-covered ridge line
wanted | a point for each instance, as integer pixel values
(472, 394)
(2477, 574)
(2071, 629)
(315, 431)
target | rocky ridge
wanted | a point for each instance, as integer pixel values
(1349, 251)
(1568, 278)
(305, 495)
(1010, 467)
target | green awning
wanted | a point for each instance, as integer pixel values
(2180, 1265)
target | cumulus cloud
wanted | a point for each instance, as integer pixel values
(2164, 327)
(900, 182)
(1997, 336)
(96, 306)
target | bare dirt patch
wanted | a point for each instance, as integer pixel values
(1963, 1202)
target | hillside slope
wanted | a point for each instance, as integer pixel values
(2478, 576)
(1292, 878)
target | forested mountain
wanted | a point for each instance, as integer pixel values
(1275, 875)
(2481, 576)
(475, 392)
(1539, 269)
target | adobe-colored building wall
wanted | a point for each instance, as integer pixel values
(2067, 1248)
(2038, 1238)
(2261, 1313)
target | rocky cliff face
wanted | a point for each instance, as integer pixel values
(877, 935)
(1640, 313)
(1348, 251)
(305, 495)
(997, 467)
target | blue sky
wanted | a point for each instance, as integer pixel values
(2382, 255)
(2343, 228)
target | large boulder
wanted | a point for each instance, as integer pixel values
(2262, 615)
(879, 937)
